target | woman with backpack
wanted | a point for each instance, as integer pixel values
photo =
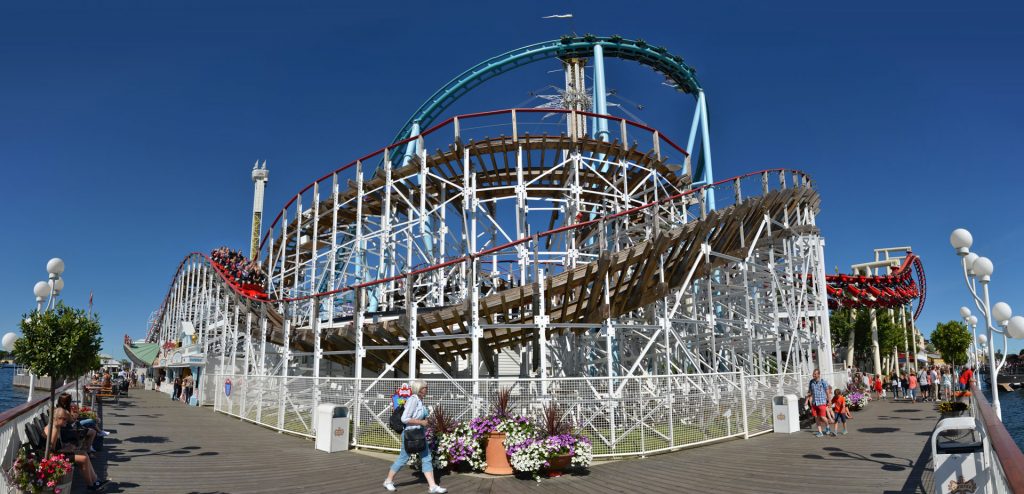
(414, 439)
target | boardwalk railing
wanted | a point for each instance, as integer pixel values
(12, 428)
(637, 415)
(1003, 458)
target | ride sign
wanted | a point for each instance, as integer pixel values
(227, 387)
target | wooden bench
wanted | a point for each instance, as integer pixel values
(108, 392)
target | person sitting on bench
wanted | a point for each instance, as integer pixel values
(62, 444)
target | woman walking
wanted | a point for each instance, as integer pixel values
(415, 419)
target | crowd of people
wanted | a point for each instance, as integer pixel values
(237, 267)
(830, 407)
(929, 383)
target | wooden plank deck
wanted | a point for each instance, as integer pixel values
(161, 446)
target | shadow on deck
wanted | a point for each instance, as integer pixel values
(160, 446)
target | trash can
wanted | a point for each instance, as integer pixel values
(959, 465)
(332, 429)
(785, 414)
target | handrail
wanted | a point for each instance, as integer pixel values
(1009, 455)
(445, 123)
(15, 412)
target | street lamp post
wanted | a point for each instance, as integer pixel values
(972, 324)
(44, 291)
(980, 269)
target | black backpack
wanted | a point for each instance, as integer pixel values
(395, 422)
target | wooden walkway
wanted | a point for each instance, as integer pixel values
(161, 446)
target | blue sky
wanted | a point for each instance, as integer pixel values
(127, 132)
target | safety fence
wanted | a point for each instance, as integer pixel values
(1001, 455)
(623, 416)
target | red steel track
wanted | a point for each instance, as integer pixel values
(893, 290)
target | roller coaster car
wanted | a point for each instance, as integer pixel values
(253, 290)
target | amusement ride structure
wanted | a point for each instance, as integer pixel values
(902, 283)
(592, 262)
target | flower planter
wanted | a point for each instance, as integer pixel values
(557, 465)
(497, 459)
(63, 488)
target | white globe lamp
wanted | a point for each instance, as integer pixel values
(983, 269)
(961, 241)
(55, 266)
(965, 312)
(58, 286)
(41, 290)
(969, 260)
(982, 339)
(8, 341)
(1001, 312)
(972, 320)
(1014, 327)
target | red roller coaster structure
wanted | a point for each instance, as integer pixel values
(892, 290)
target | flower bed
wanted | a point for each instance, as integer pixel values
(530, 443)
(857, 400)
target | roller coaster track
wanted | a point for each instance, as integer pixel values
(636, 276)
(370, 263)
(499, 153)
(657, 58)
(893, 290)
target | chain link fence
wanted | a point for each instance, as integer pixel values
(623, 416)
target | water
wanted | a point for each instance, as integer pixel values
(1012, 404)
(10, 396)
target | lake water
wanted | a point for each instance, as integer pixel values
(10, 396)
(1012, 403)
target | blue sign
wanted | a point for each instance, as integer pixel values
(227, 387)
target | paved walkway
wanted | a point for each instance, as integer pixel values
(161, 446)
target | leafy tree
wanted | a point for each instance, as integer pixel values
(890, 333)
(60, 343)
(840, 322)
(952, 339)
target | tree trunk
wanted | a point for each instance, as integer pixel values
(48, 440)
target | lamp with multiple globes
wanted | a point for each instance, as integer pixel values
(979, 269)
(47, 291)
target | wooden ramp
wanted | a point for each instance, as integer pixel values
(162, 446)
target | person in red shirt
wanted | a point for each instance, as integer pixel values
(912, 379)
(840, 410)
(965, 379)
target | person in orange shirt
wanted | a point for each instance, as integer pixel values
(840, 410)
(912, 379)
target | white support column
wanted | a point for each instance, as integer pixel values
(282, 393)
(411, 332)
(825, 331)
(317, 352)
(263, 340)
(386, 261)
(358, 322)
(334, 248)
(474, 329)
(542, 320)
